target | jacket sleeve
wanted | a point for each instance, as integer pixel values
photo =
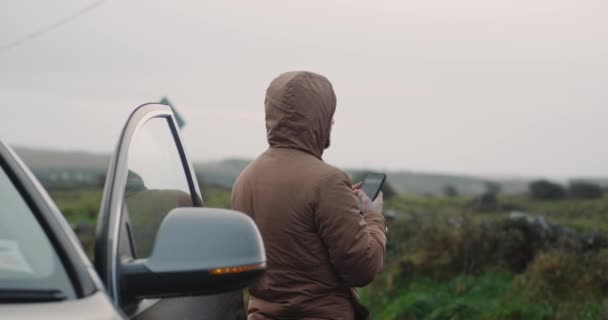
(356, 244)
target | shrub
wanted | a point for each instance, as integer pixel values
(487, 202)
(492, 187)
(585, 190)
(575, 282)
(442, 251)
(450, 191)
(545, 190)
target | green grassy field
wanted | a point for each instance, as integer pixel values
(487, 296)
(448, 260)
(78, 205)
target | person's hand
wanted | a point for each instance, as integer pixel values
(357, 185)
(368, 206)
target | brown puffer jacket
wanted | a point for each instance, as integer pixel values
(318, 245)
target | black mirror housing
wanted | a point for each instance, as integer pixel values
(197, 251)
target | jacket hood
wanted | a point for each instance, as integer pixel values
(300, 106)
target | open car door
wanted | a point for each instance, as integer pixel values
(157, 250)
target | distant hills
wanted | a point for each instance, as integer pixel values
(47, 159)
(58, 168)
(51, 166)
(219, 173)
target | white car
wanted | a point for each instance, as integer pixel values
(158, 252)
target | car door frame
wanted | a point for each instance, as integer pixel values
(110, 214)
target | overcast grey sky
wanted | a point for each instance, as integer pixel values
(470, 86)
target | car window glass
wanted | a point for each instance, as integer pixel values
(156, 184)
(28, 261)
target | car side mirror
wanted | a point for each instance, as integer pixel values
(197, 251)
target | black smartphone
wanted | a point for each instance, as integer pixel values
(372, 184)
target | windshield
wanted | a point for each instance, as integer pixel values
(28, 261)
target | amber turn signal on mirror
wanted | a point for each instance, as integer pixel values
(241, 269)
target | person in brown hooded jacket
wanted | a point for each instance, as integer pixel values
(320, 243)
